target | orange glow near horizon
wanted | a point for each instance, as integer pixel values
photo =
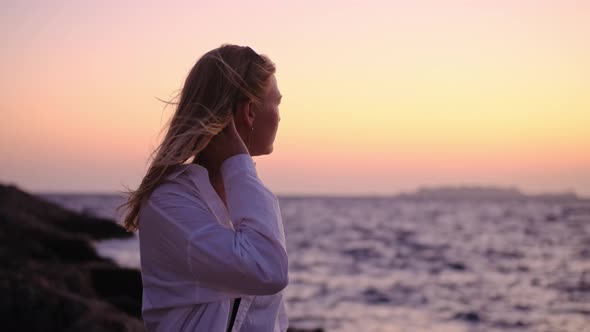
(379, 97)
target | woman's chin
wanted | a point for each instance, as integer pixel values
(266, 151)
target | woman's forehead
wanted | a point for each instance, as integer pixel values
(273, 88)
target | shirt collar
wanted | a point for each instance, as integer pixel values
(191, 169)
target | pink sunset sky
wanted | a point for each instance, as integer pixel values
(379, 96)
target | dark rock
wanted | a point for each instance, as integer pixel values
(551, 218)
(472, 317)
(25, 237)
(374, 296)
(361, 253)
(504, 325)
(522, 307)
(119, 286)
(14, 200)
(456, 266)
(51, 278)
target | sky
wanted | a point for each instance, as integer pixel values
(380, 97)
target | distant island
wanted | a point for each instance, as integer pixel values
(482, 193)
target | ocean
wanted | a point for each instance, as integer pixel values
(413, 264)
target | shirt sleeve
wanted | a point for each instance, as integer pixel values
(252, 260)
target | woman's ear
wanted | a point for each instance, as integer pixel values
(246, 113)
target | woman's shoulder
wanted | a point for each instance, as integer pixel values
(177, 187)
(174, 191)
(174, 201)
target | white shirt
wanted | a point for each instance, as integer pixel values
(197, 256)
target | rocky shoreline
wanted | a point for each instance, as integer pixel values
(52, 279)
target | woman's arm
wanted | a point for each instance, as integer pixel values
(251, 260)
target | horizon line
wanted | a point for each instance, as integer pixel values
(347, 194)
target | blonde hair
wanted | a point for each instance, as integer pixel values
(217, 82)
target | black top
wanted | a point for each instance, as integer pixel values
(234, 312)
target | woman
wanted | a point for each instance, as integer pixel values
(212, 245)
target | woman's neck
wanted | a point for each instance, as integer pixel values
(214, 171)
